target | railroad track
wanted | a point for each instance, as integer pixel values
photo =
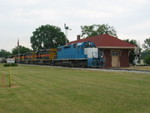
(99, 69)
(115, 70)
(130, 70)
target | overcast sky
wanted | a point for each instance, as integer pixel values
(19, 18)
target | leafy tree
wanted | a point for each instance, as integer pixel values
(4, 53)
(22, 49)
(132, 54)
(147, 59)
(145, 53)
(146, 44)
(94, 30)
(47, 36)
(131, 42)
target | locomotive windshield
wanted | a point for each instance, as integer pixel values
(89, 44)
(86, 45)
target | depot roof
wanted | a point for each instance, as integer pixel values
(106, 41)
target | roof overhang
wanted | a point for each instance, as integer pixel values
(110, 47)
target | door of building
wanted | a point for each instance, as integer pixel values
(115, 59)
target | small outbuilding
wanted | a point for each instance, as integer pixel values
(116, 51)
(2, 59)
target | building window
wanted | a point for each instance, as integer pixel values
(115, 53)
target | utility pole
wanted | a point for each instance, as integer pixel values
(18, 52)
(66, 32)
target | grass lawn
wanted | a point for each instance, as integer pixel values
(38, 89)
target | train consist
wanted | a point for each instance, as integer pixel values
(83, 54)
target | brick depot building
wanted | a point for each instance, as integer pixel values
(116, 51)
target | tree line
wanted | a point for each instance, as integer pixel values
(50, 36)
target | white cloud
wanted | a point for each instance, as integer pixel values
(20, 18)
(138, 28)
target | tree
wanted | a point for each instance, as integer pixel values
(147, 59)
(4, 53)
(132, 54)
(47, 36)
(22, 49)
(145, 53)
(131, 42)
(94, 30)
(146, 44)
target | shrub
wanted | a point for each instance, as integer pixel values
(147, 59)
(10, 64)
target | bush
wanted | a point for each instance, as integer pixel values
(10, 64)
(147, 59)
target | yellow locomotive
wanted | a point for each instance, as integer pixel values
(44, 56)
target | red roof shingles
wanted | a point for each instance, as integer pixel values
(106, 41)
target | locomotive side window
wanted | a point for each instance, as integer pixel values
(74, 45)
(86, 45)
(66, 47)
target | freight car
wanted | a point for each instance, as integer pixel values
(83, 54)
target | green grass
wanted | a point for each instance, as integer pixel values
(38, 89)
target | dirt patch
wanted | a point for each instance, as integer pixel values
(6, 86)
(14, 86)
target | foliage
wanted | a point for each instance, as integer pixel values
(94, 30)
(132, 52)
(22, 49)
(47, 36)
(131, 42)
(145, 53)
(4, 53)
(40, 89)
(146, 44)
(147, 59)
(10, 64)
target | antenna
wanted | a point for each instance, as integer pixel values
(66, 31)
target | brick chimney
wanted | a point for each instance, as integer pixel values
(78, 37)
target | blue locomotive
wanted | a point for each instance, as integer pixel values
(83, 54)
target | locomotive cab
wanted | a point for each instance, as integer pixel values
(94, 57)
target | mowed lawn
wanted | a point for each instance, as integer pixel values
(39, 89)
